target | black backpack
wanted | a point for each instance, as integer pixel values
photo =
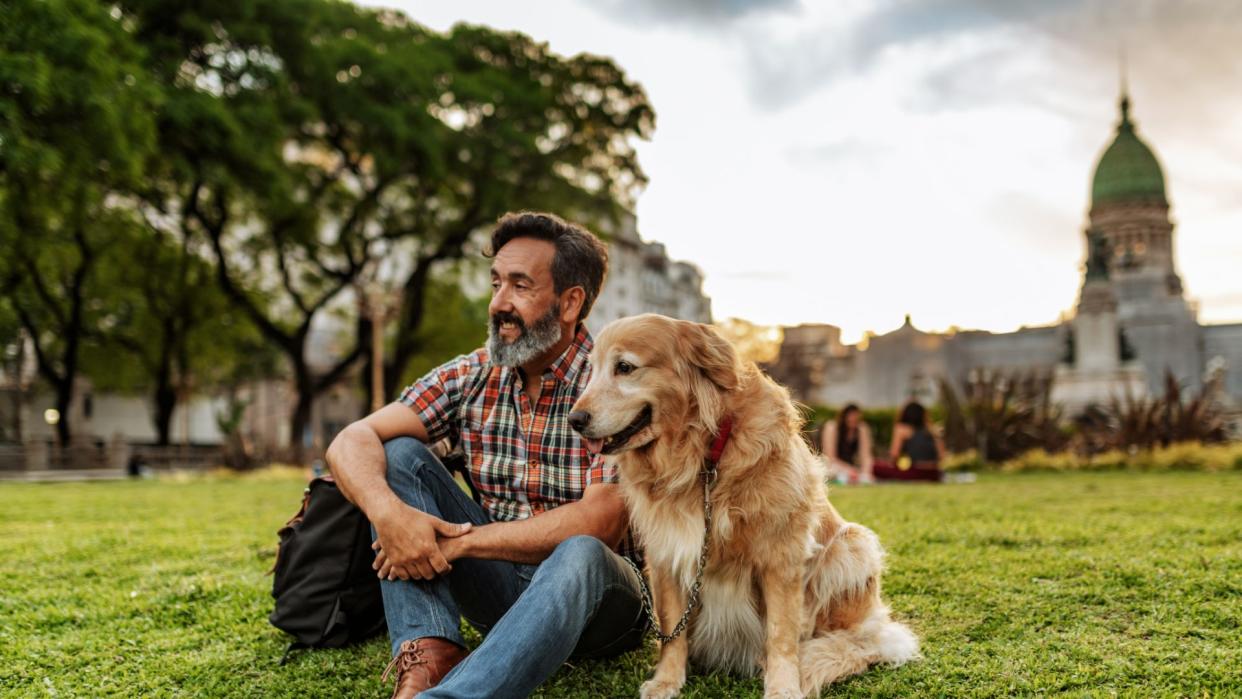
(327, 594)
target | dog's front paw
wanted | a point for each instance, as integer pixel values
(659, 689)
(782, 693)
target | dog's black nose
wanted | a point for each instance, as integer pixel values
(579, 419)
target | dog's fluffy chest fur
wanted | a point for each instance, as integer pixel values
(727, 631)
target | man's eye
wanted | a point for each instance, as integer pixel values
(624, 367)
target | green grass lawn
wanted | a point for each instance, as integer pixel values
(1086, 584)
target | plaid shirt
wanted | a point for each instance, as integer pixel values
(524, 459)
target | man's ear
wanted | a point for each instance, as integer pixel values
(571, 304)
(705, 349)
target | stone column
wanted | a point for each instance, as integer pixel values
(1096, 329)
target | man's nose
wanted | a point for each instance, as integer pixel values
(579, 419)
(499, 304)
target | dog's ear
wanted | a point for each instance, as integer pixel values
(704, 348)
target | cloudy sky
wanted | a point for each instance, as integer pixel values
(852, 161)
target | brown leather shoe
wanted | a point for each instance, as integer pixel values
(421, 664)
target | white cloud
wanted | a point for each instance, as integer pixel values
(690, 13)
(852, 161)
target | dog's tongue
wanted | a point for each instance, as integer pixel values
(594, 446)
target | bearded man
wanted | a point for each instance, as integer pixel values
(533, 565)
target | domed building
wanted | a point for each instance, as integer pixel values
(1130, 214)
(1132, 323)
(1128, 170)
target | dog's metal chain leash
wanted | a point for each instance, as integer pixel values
(709, 479)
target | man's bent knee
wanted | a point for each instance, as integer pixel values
(579, 552)
(578, 573)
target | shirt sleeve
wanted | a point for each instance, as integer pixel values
(436, 398)
(600, 471)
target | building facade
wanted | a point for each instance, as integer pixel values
(642, 279)
(1132, 323)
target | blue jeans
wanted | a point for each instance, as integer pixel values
(582, 601)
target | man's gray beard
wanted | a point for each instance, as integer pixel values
(534, 341)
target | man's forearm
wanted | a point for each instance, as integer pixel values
(517, 542)
(532, 540)
(356, 458)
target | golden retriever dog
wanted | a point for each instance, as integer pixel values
(789, 586)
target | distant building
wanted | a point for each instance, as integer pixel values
(27, 410)
(642, 279)
(1132, 322)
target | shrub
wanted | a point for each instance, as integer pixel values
(1145, 422)
(1180, 456)
(963, 461)
(1001, 415)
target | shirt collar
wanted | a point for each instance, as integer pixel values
(575, 357)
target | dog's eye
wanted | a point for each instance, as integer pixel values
(623, 367)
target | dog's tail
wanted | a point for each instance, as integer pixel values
(844, 652)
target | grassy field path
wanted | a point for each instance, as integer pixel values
(1082, 584)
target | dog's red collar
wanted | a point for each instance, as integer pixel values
(720, 442)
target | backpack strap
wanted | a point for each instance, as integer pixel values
(296, 645)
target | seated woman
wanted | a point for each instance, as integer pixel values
(846, 444)
(915, 451)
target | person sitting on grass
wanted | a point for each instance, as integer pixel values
(846, 444)
(535, 566)
(914, 444)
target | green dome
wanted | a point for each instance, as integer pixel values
(1128, 170)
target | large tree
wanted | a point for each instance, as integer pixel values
(309, 140)
(247, 171)
(75, 129)
(519, 127)
(172, 322)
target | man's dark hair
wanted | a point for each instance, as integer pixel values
(580, 259)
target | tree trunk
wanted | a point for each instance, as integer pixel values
(300, 421)
(413, 297)
(18, 406)
(165, 394)
(165, 404)
(394, 370)
(19, 395)
(73, 334)
(364, 378)
(64, 398)
(368, 390)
